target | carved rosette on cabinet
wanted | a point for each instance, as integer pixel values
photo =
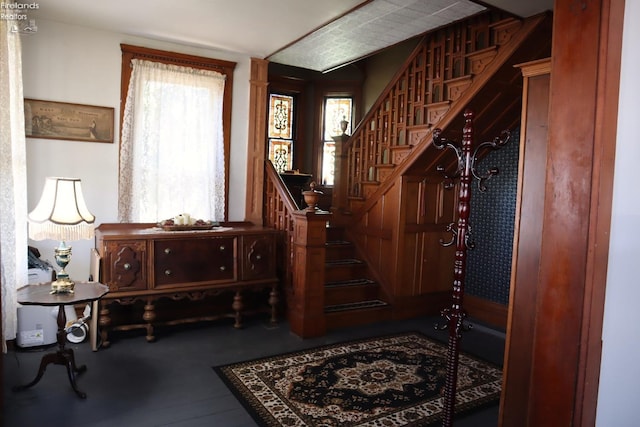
(143, 263)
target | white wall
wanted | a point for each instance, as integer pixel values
(80, 65)
(619, 392)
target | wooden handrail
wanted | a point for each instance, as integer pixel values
(279, 187)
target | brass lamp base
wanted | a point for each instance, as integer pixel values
(62, 285)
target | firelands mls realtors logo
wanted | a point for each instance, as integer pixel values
(17, 14)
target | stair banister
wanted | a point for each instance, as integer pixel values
(305, 236)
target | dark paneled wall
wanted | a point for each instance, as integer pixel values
(492, 222)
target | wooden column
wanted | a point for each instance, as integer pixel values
(567, 325)
(257, 140)
(306, 306)
(527, 241)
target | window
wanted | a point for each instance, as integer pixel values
(336, 121)
(174, 145)
(280, 132)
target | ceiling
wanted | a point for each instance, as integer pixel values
(318, 35)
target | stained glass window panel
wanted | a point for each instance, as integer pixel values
(280, 116)
(281, 154)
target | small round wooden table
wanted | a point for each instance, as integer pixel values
(40, 295)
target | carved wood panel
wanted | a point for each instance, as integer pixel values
(258, 254)
(126, 265)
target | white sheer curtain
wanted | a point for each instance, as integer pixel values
(13, 179)
(172, 147)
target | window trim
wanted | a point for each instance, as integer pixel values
(331, 90)
(295, 88)
(130, 52)
(323, 130)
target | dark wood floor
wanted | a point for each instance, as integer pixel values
(171, 382)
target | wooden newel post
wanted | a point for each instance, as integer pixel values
(339, 198)
(455, 314)
(306, 311)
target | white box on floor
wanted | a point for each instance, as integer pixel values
(37, 325)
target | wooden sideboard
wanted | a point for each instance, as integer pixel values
(142, 262)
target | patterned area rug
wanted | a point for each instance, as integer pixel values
(386, 381)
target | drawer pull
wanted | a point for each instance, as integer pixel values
(222, 268)
(167, 272)
(222, 248)
(167, 251)
(258, 257)
(127, 266)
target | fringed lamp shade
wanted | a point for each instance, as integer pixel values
(61, 213)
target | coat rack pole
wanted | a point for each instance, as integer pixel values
(455, 314)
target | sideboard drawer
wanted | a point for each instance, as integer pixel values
(187, 261)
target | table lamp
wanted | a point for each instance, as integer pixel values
(61, 214)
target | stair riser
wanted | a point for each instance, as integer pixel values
(339, 252)
(344, 272)
(352, 293)
(335, 295)
(335, 233)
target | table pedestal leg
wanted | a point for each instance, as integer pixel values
(64, 356)
(61, 357)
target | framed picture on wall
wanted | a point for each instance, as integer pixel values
(62, 120)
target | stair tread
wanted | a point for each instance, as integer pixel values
(356, 305)
(351, 282)
(338, 243)
(345, 261)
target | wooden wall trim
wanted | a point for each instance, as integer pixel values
(486, 311)
(527, 242)
(226, 68)
(257, 140)
(612, 19)
(572, 223)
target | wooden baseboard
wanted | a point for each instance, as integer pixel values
(486, 311)
(420, 305)
(491, 313)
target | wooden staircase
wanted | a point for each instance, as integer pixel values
(351, 296)
(388, 194)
